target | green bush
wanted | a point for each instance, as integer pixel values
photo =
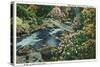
(24, 13)
(43, 11)
(79, 39)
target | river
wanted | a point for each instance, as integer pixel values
(41, 38)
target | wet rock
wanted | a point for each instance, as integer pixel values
(29, 58)
(34, 57)
(24, 50)
(46, 53)
(20, 59)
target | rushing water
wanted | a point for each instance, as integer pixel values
(40, 38)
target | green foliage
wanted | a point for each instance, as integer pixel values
(89, 13)
(82, 48)
(43, 11)
(79, 52)
(24, 13)
(18, 21)
(39, 21)
(22, 27)
(78, 39)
